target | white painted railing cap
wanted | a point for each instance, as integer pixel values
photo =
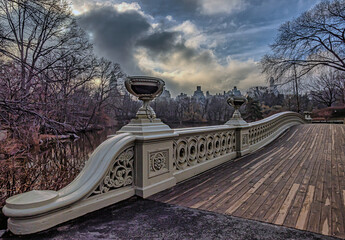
(32, 199)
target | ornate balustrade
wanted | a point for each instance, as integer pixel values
(264, 131)
(145, 157)
(198, 149)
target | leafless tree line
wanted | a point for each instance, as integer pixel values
(50, 83)
(50, 80)
(186, 109)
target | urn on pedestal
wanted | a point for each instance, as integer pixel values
(236, 100)
(146, 89)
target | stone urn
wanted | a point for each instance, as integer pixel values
(145, 123)
(146, 89)
(236, 100)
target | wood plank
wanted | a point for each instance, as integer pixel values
(264, 190)
(317, 181)
(249, 193)
(266, 193)
(284, 186)
(303, 216)
(303, 179)
(325, 220)
(285, 207)
(237, 193)
(337, 208)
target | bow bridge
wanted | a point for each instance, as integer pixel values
(277, 170)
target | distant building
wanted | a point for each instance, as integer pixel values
(235, 92)
(182, 96)
(225, 94)
(259, 91)
(273, 87)
(198, 94)
(208, 94)
(165, 94)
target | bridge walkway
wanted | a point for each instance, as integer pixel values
(297, 181)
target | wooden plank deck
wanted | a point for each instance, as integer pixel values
(297, 181)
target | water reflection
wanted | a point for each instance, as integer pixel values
(52, 166)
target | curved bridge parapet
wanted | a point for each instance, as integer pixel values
(262, 132)
(143, 158)
(107, 178)
(201, 148)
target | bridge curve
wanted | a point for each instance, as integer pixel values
(298, 181)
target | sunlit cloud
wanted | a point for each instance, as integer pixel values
(183, 75)
(123, 7)
(80, 6)
(211, 7)
(76, 12)
(169, 18)
(194, 36)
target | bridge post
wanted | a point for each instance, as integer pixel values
(307, 116)
(154, 140)
(242, 131)
(153, 162)
(242, 141)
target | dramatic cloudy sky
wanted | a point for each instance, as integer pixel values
(213, 43)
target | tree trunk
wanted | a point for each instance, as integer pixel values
(296, 89)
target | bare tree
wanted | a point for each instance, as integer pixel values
(316, 38)
(105, 88)
(340, 84)
(37, 34)
(45, 58)
(324, 89)
(65, 80)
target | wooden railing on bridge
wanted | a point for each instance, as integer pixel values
(143, 158)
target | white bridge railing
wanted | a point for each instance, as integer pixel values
(266, 130)
(143, 158)
(198, 149)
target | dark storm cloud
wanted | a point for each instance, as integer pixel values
(161, 45)
(159, 42)
(115, 34)
(190, 54)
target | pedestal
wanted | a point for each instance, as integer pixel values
(154, 155)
